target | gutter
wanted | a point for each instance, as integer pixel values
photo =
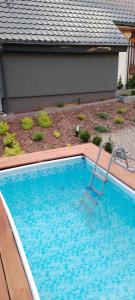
(61, 48)
(119, 23)
(5, 97)
(62, 44)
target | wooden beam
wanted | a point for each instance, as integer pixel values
(15, 276)
(4, 295)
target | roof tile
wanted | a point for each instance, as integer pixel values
(59, 21)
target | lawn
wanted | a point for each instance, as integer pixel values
(41, 131)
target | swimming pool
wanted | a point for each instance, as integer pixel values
(76, 249)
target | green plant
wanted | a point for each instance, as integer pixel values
(60, 105)
(4, 128)
(56, 133)
(120, 84)
(101, 128)
(97, 140)
(44, 120)
(68, 145)
(119, 120)
(16, 150)
(85, 135)
(37, 136)
(27, 123)
(12, 146)
(133, 93)
(131, 82)
(81, 117)
(9, 140)
(133, 119)
(103, 115)
(125, 94)
(109, 146)
(121, 110)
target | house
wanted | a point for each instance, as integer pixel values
(55, 51)
(126, 23)
(122, 13)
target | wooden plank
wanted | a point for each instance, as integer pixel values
(29, 158)
(88, 150)
(4, 295)
(15, 276)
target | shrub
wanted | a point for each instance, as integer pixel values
(131, 83)
(81, 117)
(85, 135)
(56, 133)
(121, 110)
(103, 115)
(68, 145)
(133, 93)
(12, 145)
(27, 123)
(60, 105)
(109, 146)
(16, 150)
(9, 140)
(125, 94)
(119, 120)
(120, 84)
(101, 128)
(133, 119)
(97, 140)
(37, 136)
(4, 128)
(44, 120)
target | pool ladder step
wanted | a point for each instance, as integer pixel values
(89, 201)
(101, 177)
(90, 198)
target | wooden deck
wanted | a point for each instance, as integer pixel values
(88, 150)
(13, 282)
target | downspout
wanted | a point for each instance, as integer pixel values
(5, 97)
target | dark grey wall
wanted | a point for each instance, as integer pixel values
(1, 85)
(1, 82)
(42, 75)
(36, 103)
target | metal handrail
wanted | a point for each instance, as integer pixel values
(127, 166)
(98, 157)
(119, 151)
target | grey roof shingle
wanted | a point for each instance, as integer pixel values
(120, 11)
(58, 21)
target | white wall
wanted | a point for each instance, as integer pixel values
(123, 66)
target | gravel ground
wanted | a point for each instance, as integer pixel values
(124, 137)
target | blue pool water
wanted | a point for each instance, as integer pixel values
(76, 250)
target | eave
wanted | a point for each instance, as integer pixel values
(20, 46)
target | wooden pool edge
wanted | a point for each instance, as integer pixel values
(13, 281)
(88, 150)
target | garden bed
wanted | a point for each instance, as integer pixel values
(64, 122)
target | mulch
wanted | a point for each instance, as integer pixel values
(65, 121)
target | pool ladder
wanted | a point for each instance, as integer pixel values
(118, 152)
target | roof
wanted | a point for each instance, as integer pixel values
(120, 11)
(84, 22)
